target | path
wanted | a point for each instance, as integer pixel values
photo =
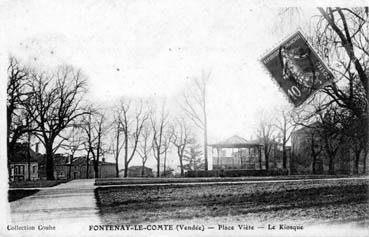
(70, 204)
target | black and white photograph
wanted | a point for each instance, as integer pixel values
(184, 118)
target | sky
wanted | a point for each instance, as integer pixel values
(155, 48)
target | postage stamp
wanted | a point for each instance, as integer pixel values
(297, 68)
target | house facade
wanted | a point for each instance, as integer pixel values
(66, 167)
(23, 163)
(309, 155)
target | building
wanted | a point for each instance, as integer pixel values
(77, 168)
(309, 155)
(237, 153)
(23, 163)
(136, 171)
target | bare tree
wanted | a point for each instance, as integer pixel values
(340, 36)
(132, 119)
(159, 125)
(351, 28)
(313, 145)
(86, 147)
(265, 131)
(168, 136)
(284, 124)
(327, 124)
(195, 107)
(95, 127)
(346, 48)
(117, 143)
(18, 119)
(73, 143)
(182, 137)
(145, 146)
(88, 125)
(353, 132)
(331, 133)
(55, 103)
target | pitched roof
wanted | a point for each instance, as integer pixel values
(20, 154)
(236, 142)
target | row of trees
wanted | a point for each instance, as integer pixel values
(51, 107)
(275, 127)
(341, 113)
(42, 104)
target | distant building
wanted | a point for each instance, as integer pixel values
(308, 151)
(136, 171)
(77, 168)
(23, 163)
(240, 154)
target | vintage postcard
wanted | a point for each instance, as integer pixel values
(184, 118)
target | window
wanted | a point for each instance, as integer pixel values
(19, 169)
(33, 169)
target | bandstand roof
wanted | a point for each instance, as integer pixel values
(236, 142)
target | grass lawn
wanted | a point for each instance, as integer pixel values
(36, 183)
(129, 180)
(303, 202)
(14, 195)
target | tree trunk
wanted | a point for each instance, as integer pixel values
(357, 159)
(180, 151)
(88, 165)
(116, 169)
(181, 166)
(70, 168)
(8, 164)
(313, 155)
(206, 147)
(29, 155)
(98, 153)
(331, 165)
(284, 155)
(143, 169)
(314, 164)
(260, 161)
(158, 164)
(117, 154)
(96, 168)
(125, 154)
(266, 147)
(49, 163)
(366, 156)
(165, 163)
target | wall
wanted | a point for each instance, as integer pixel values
(79, 172)
(301, 160)
(33, 169)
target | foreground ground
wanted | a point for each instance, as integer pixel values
(302, 202)
(66, 203)
(72, 208)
